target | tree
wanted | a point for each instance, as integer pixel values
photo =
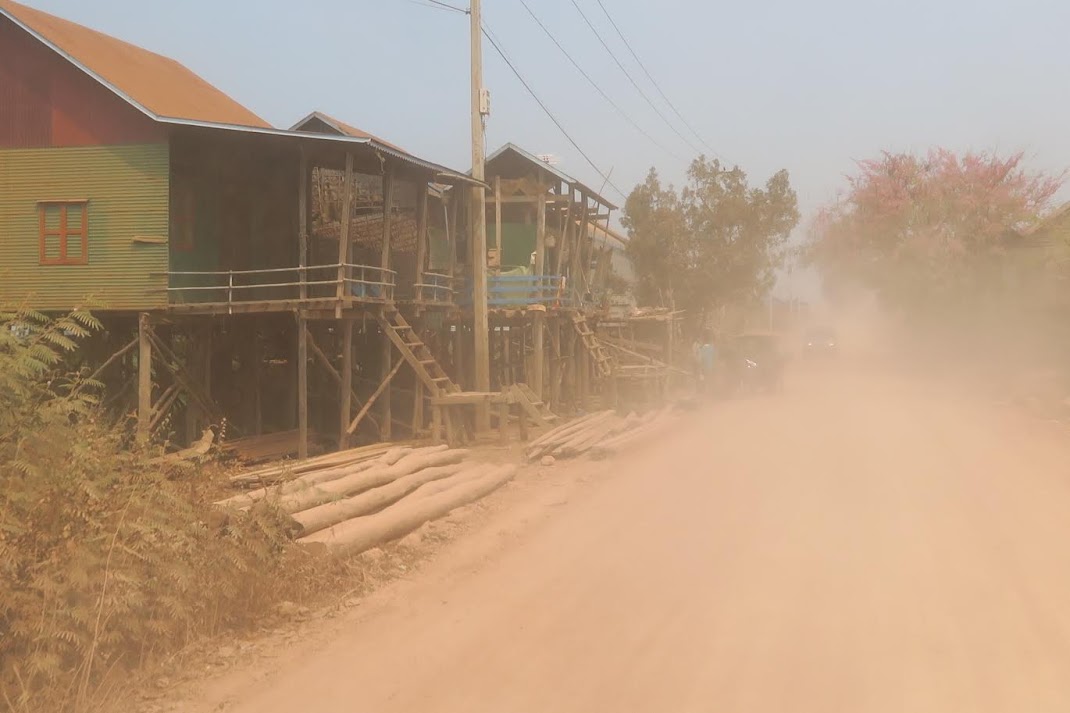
(718, 241)
(928, 232)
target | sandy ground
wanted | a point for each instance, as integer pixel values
(856, 544)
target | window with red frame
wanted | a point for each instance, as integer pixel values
(63, 232)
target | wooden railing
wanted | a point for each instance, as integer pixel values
(527, 290)
(363, 282)
(435, 288)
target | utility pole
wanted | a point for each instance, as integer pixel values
(480, 326)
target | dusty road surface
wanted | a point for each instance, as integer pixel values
(854, 545)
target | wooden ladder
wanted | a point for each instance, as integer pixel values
(416, 353)
(533, 405)
(592, 345)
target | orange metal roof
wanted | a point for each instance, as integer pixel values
(159, 84)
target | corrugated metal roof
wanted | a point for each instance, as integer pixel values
(341, 127)
(166, 91)
(158, 85)
(532, 158)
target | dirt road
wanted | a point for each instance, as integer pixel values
(850, 546)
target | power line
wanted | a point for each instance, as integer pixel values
(650, 77)
(595, 84)
(501, 53)
(632, 79)
(438, 5)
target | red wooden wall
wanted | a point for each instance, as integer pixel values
(46, 101)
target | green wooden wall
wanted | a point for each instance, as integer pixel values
(127, 189)
(518, 243)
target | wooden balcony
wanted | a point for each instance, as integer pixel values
(279, 289)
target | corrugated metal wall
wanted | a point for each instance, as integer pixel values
(127, 188)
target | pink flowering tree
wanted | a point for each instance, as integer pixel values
(928, 230)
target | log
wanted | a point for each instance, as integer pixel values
(198, 449)
(661, 420)
(567, 434)
(373, 500)
(441, 486)
(371, 478)
(587, 438)
(613, 430)
(363, 533)
(565, 427)
(557, 446)
(313, 478)
(291, 468)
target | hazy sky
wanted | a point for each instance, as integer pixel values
(808, 86)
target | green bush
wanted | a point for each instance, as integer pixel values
(107, 559)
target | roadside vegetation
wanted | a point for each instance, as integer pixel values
(109, 556)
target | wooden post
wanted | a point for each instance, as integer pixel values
(302, 386)
(503, 421)
(522, 423)
(451, 230)
(388, 218)
(253, 354)
(144, 377)
(579, 239)
(566, 234)
(556, 366)
(539, 356)
(343, 235)
(302, 219)
(436, 424)
(421, 239)
(498, 216)
(385, 418)
(345, 407)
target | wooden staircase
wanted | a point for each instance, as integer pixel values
(416, 353)
(533, 406)
(592, 345)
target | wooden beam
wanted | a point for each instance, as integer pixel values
(345, 404)
(421, 237)
(343, 234)
(173, 365)
(302, 387)
(372, 399)
(144, 376)
(579, 238)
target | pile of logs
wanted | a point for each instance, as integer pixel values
(598, 434)
(352, 505)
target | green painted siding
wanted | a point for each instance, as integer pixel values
(519, 243)
(127, 189)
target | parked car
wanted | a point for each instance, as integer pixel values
(820, 341)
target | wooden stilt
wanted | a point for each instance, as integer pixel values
(539, 356)
(503, 421)
(385, 416)
(144, 376)
(345, 400)
(302, 387)
(436, 424)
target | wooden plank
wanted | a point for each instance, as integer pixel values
(346, 388)
(503, 422)
(383, 386)
(451, 230)
(302, 387)
(564, 239)
(343, 237)
(144, 376)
